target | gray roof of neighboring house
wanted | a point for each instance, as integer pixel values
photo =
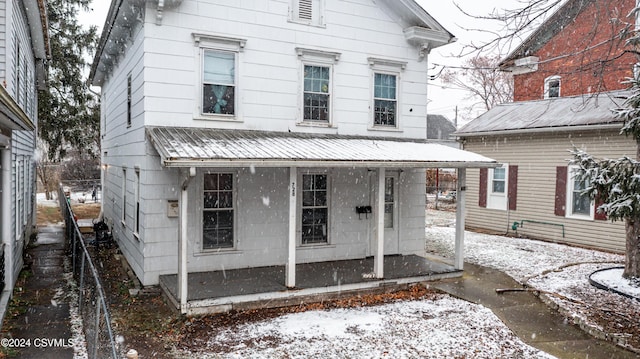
(560, 113)
(439, 128)
(197, 147)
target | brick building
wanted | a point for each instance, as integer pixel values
(568, 75)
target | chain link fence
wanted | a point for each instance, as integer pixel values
(92, 304)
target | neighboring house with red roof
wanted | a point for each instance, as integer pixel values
(567, 78)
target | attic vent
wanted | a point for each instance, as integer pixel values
(305, 10)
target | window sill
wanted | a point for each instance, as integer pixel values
(213, 252)
(315, 124)
(580, 217)
(384, 129)
(219, 118)
(315, 246)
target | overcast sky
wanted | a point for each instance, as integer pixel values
(443, 99)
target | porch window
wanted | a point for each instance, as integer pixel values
(218, 212)
(315, 209)
(218, 82)
(385, 100)
(389, 201)
(316, 93)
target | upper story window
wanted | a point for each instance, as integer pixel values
(386, 92)
(309, 12)
(317, 71)
(219, 75)
(385, 98)
(218, 82)
(129, 100)
(552, 87)
(316, 93)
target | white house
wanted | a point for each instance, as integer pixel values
(268, 135)
(24, 46)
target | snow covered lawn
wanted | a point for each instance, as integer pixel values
(560, 272)
(435, 327)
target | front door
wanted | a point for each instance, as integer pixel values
(391, 220)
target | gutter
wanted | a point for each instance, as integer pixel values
(220, 163)
(608, 126)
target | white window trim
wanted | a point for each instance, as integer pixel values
(496, 202)
(313, 57)
(124, 198)
(214, 42)
(318, 9)
(387, 67)
(200, 250)
(569, 197)
(136, 197)
(548, 81)
(299, 243)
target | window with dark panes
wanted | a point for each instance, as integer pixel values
(316, 93)
(385, 100)
(218, 82)
(218, 211)
(315, 209)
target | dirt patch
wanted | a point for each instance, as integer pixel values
(47, 215)
(86, 210)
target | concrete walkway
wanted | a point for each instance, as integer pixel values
(527, 316)
(45, 324)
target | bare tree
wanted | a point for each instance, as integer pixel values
(48, 172)
(483, 80)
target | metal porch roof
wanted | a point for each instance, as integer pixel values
(560, 113)
(203, 147)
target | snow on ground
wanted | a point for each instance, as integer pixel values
(520, 258)
(442, 327)
(560, 272)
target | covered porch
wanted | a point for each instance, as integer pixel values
(264, 287)
(290, 280)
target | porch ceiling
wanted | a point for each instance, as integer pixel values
(203, 147)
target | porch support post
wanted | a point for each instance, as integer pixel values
(183, 275)
(378, 257)
(290, 279)
(460, 216)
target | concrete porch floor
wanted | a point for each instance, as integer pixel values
(263, 287)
